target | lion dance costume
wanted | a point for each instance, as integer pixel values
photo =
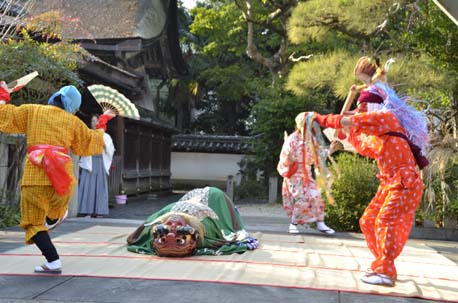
(202, 222)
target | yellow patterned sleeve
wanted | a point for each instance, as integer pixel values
(86, 142)
(13, 119)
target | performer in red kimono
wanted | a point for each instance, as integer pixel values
(393, 133)
(48, 182)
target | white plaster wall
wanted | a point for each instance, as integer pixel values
(204, 166)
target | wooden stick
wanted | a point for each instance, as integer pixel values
(347, 105)
(349, 101)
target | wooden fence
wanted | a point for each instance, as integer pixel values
(115, 177)
(13, 149)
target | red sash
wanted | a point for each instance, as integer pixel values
(53, 160)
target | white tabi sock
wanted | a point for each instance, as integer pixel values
(54, 264)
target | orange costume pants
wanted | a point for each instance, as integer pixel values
(37, 202)
(387, 221)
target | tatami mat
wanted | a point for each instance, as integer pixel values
(299, 261)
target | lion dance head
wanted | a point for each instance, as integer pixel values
(176, 235)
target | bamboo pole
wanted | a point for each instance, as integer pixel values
(346, 107)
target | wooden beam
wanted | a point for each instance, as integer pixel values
(113, 75)
(130, 45)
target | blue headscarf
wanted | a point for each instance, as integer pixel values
(70, 97)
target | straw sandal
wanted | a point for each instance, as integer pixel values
(328, 231)
(43, 269)
(377, 279)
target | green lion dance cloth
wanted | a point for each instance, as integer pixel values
(203, 222)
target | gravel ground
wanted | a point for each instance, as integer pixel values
(261, 210)
(140, 207)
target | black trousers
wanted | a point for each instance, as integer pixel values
(43, 241)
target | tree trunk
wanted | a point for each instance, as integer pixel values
(3, 167)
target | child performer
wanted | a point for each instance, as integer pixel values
(301, 195)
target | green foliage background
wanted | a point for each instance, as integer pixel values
(352, 191)
(56, 65)
(444, 204)
(9, 215)
(343, 36)
(415, 33)
(273, 114)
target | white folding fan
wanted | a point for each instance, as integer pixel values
(110, 98)
(21, 82)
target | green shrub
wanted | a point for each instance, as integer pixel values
(55, 63)
(446, 208)
(440, 202)
(9, 215)
(251, 190)
(453, 211)
(352, 191)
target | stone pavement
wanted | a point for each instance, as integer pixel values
(257, 217)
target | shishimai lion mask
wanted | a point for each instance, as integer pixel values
(176, 235)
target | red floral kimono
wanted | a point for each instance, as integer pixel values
(302, 202)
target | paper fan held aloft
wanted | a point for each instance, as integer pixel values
(109, 98)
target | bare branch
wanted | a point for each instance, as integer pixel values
(301, 58)
(10, 24)
(278, 62)
(274, 14)
(380, 28)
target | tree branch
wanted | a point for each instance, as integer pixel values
(278, 62)
(301, 58)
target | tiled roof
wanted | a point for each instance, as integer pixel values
(108, 19)
(211, 144)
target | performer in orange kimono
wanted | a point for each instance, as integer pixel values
(393, 133)
(48, 182)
